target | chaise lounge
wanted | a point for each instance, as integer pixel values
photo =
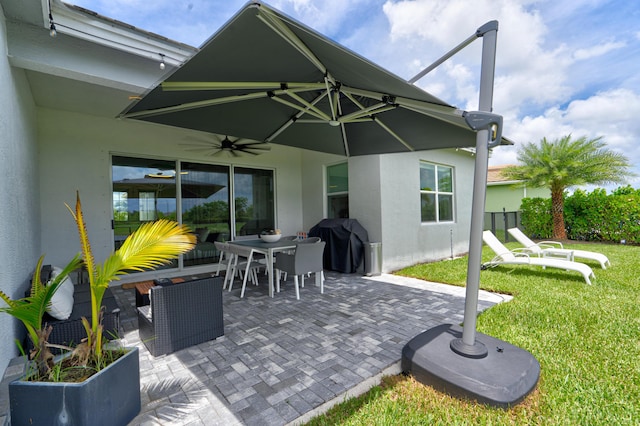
(504, 256)
(554, 248)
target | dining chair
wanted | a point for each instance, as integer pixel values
(285, 238)
(225, 257)
(242, 259)
(307, 258)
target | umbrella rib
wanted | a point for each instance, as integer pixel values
(273, 22)
(293, 119)
(345, 142)
(381, 124)
(392, 133)
(194, 105)
(207, 103)
(170, 86)
(373, 109)
(309, 105)
(423, 105)
(331, 101)
(454, 118)
(302, 109)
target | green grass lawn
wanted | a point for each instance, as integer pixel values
(586, 338)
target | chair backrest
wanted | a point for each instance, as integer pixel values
(308, 257)
(310, 240)
(524, 240)
(494, 243)
(221, 247)
(246, 237)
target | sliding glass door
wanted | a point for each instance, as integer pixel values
(205, 208)
(254, 200)
(199, 195)
(144, 190)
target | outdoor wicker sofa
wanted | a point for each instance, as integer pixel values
(181, 315)
(70, 331)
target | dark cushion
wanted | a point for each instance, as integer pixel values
(163, 282)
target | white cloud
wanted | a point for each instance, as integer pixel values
(597, 50)
(611, 115)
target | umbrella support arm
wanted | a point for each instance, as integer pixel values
(480, 32)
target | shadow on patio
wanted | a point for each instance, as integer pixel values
(284, 360)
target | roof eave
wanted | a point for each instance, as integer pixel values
(93, 27)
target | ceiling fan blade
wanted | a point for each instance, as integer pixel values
(216, 144)
(201, 147)
(246, 151)
(260, 146)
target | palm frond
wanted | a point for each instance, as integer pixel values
(87, 253)
(30, 310)
(152, 245)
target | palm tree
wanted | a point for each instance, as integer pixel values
(566, 162)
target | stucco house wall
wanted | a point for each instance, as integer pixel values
(384, 195)
(19, 210)
(75, 154)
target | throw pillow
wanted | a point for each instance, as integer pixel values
(61, 303)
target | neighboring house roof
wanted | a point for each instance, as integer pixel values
(495, 177)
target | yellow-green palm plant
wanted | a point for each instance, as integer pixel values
(152, 245)
(30, 311)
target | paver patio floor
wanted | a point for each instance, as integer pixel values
(283, 360)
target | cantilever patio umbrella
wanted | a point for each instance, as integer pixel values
(267, 77)
(263, 76)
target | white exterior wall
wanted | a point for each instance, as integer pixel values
(19, 210)
(384, 195)
(75, 154)
(314, 181)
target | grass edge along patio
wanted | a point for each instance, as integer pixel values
(585, 337)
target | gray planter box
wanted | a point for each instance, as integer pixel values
(110, 397)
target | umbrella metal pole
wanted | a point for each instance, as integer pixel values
(467, 345)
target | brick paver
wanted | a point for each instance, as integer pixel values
(282, 359)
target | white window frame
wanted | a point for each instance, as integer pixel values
(437, 193)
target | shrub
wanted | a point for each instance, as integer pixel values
(589, 216)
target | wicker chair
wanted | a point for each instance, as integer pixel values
(181, 315)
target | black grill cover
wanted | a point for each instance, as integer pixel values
(345, 240)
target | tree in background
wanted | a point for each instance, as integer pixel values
(566, 162)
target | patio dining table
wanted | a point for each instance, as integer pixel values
(268, 249)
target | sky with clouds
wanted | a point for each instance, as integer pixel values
(562, 66)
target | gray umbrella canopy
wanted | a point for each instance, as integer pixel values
(267, 77)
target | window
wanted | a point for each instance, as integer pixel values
(436, 193)
(338, 191)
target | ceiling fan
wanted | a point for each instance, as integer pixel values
(233, 148)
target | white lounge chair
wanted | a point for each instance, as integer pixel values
(554, 248)
(504, 256)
